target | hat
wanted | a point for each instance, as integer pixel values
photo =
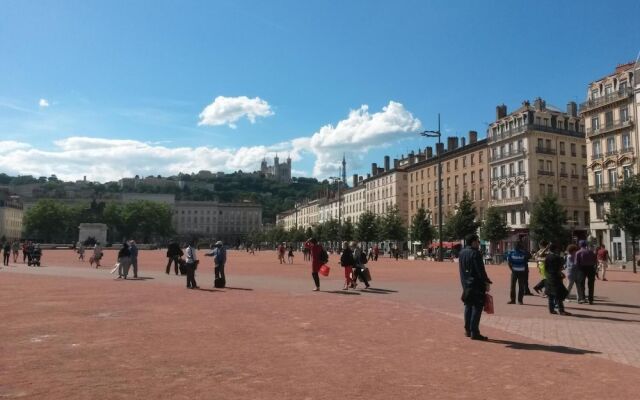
(583, 243)
(219, 243)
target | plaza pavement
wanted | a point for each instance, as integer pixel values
(73, 332)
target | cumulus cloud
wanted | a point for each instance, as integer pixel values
(43, 103)
(228, 110)
(357, 134)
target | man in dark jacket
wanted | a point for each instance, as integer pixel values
(174, 252)
(556, 291)
(475, 285)
(586, 262)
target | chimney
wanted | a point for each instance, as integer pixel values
(463, 142)
(429, 151)
(501, 111)
(473, 137)
(380, 170)
(439, 148)
(395, 163)
(360, 179)
(355, 180)
(368, 176)
(387, 160)
(539, 104)
(572, 109)
(452, 143)
(412, 157)
(374, 169)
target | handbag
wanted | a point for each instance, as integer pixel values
(324, 270)
(115, 268)
(488, 303)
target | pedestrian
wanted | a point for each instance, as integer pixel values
(133, 249)
(25, 251)
(219, 255)
(347, 262)
(556, 292)
(6, 253)
(290, 254)
(475, 285)
(191, 265)
(603, 261)
(15, 249)
(318, 257)
(80, 251)
(570, 268)
(359, 264)
(174, 252)
(376, 252)
(517, 260)
(586, 262)
(124, 261)
(540, 257)
(281, 251)
(97, 255)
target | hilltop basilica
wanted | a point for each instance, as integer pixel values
(277, 171)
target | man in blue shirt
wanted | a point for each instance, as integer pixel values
(518, 260)
(219, 255)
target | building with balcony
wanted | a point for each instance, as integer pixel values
(534, 151)
(386, 188)
(11, 214)
(610, 116)
(354, 201)
(464, 170)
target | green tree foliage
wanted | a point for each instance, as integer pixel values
(347, 230)
(142, 220)
(48, 221)
(367, 227)
(624, 212)
(332, 229)
(392, 227)
(548, 220)
(463, 222)
(421, 229)
(494, 227)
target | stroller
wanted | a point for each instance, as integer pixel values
(35, 253)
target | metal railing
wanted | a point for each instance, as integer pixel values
(626, 150)
(603, 188)
(564, 174)
(513, 153)
(545, 150)
(509, 201)
(549, 173)
(505, 176)
(615, 125)
(606, 99)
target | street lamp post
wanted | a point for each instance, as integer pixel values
(439, 156)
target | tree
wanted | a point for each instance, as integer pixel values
(494, 227)
(392, 227)
(347, 230)
(463, 222)
(142, 220)
(367, 227)
(48, 220)
(624, 211)
(421, 229)
(548, 220)
(332, 230)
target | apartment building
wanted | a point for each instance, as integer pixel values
(534, 151)
(464, 169)
(354, 201)
(228, 222)
(610, 114)
(386, 188)
(11, 213)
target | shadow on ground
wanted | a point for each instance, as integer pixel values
(542, 347)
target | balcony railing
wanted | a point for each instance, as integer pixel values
(575, 176)
(611, 153)
(505, 176)
(564, 174)
(507, 134)
(506, 155)
(626, 150)
(491, 137)
(603, 188)
(606, 99)
(549, 173)
(545, 150)
(613, 126)
(597, 156)
(509, 201)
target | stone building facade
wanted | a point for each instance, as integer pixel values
(534, 151)
(277, 171)
(11, 214)
(610, 115)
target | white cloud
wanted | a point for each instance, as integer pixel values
(228, 110)
(357, 134)
(43, 103)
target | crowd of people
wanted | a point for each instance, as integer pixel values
(31, 252)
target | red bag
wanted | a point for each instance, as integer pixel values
(488, 304)
(324, 270)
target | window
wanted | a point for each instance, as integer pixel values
(523, 217)
(512, 192)
(480, 157)
(600, 210)
(573, 149)
(502, 171)
(540, 143)
(448, 166)
(521, 191)
(613, 177)
(513, 217)
(503, 151)
(520, 145)
(472, 159)
(574, 191)
(455, 197)
(548, 166)
(542, 189)
(503, 193)
(520, 167)
(481, 193)
(563, 192)
(626, 141)
(622, 86)
(511, 169)
(456, 180)
(575, 218)
(540, 165)
(455, 164)
(548, 144)
(597, 151)
(608, 119)
(494, 194)
(464, 162)
(473, 176)
(586, 217)
(597, 178)
(627, 171)
(562, 150)
(594, 93)
(563, 168)
(448, 183)
(611, 145)
(574, 170)
(549, 189)
(584, 171)
(608, 89)
(624, 114)
(481, 175)
(473, 195)
(584, 151)
(464, 179)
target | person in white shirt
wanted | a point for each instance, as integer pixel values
(191, 265)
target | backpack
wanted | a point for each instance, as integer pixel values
(363, 258)
(324, 256)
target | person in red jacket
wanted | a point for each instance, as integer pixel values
(315, 250)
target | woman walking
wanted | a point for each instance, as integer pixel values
(570, 268)
(360, 259)
(556, 291)
(347, 262)
(316, 253)
(191, 265)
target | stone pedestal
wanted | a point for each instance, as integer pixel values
(97, 231)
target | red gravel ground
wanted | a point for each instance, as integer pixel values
(73, 332)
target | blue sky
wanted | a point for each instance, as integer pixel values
(124, 83)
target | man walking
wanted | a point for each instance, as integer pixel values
(603, 261)
(6, 253)
(133, 249)
(518, 260)
(174, 252)
(475, 285)
(586, 265)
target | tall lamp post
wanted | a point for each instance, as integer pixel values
(439, 156)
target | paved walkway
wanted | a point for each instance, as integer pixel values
(74, 332)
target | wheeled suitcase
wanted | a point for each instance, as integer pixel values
(219, 283)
